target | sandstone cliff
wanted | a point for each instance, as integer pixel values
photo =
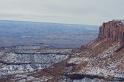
(102, 57)
(112, 30)
(109, 34)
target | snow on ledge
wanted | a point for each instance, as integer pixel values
(77, 60)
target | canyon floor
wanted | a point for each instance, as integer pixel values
(35, 51)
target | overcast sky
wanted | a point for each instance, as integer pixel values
(92, 12)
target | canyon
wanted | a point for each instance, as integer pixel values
(28, 47)
(101, 60)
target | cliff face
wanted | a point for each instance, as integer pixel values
(104, 56)
(109, 33)
(112, 30)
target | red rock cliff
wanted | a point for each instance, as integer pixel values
(112, 30)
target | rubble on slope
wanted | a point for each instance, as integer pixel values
(105, 55)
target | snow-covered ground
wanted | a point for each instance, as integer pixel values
(87, 80)
(101, 65)
(77, 60)
(19, 63)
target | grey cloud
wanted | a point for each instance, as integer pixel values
(63, 11)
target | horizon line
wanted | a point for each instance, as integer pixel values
(11, 20)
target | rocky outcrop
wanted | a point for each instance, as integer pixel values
(110, 33)
(112, 30)
(104, 56)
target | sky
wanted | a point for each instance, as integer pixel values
(91, 12)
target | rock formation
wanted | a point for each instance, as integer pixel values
(109, 33)
(102, 57)
(112, 30)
